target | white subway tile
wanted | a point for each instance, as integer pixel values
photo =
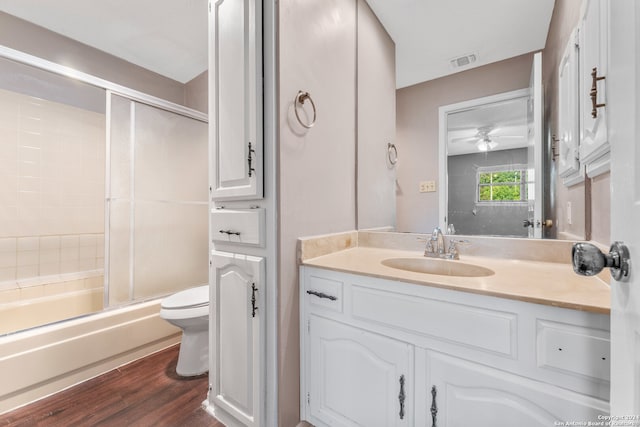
(26, 271)
(7, 274)
(28, 258)
(8, 259)
(50, 242)
(70, 241)
(31, 243)
(48, 269)
(8, 244)
(69, 265)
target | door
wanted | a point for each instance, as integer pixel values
(237, 338)
(464, 393)
(534, 148)
(235, 103)
(357, 378)
(624, 115)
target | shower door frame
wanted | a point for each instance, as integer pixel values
(110, 88)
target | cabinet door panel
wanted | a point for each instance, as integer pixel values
(235, 107)
(356, 377)
(472, 394)
(594, 142)
(568, 114)
(237, 335)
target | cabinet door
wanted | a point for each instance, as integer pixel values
(466, 393)
(569, 166)
(357, 378)
(236, 328)
(235, 104)
(594, 143)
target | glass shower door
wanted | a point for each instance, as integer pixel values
(157, 194)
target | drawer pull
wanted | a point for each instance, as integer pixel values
(322, 295)
(230, 232)
(401, 397)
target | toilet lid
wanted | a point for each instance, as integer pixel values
(190, 298)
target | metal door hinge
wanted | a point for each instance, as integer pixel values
(308, 398)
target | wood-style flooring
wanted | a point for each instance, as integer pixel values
(143, 393)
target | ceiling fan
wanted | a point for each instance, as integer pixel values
(487, 138)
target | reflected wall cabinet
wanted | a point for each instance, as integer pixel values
(583, 144)
(377, 352)
(235, 103)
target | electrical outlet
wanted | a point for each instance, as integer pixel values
(569, 219)
(427, 186)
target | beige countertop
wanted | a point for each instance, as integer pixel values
(532, 281)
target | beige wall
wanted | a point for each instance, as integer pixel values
(417, 131)
(564, 20)
(196, 93)
(317, 45)
(590, 201)
(376, 122)
(26, 37)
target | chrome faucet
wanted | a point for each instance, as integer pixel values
(436, 246)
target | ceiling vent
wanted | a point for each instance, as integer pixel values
(463, 61)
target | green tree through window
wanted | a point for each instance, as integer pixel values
(502, 186)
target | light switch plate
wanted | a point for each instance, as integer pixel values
(427, 186)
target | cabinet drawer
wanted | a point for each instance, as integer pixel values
(241, 226)
(487, 330)
(321, 292)
(573, 349)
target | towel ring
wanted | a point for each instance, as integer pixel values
(392, 152)
(299, 99)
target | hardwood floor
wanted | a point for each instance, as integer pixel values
(144, 393)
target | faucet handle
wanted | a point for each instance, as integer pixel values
(453, 247)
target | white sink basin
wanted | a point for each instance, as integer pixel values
(438, 266)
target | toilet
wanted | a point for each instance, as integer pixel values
(189, 311)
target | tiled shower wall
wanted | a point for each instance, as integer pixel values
(51, 188)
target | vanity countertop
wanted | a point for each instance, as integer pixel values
(549, 283)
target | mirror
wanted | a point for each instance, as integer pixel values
(417, 128)
(487, 180)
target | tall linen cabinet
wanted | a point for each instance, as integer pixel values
(238, 217)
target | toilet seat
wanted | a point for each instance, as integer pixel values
(188, 304)
(189, 298)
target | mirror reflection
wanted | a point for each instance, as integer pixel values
(489, 182)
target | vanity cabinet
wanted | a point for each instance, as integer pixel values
(373, 349)
(235, 99)
(465, 393)
(237, 298)
(356, 376)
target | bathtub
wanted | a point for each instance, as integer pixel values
(46, 299)
(41, 361)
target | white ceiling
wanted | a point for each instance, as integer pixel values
(170, 36)
(505, 123)
(166, 36)
(429, 33)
